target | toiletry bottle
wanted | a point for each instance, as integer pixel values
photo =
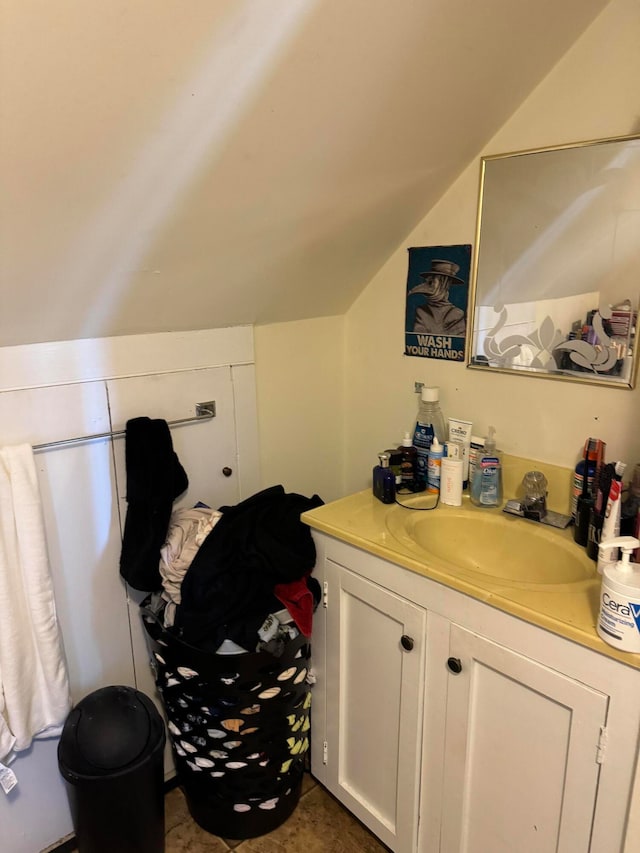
(434, 464)
(611, 523)
(631, 505)
(594, 452)
(486, 489)
(429, 422)
(619, 620)
(408, 482)
(395, 463)
(451, 474)
(582, 486)
(384, 480)
(596, 516)
(460, 431)
(476, 449)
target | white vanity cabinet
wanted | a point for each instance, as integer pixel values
(375, 651)
(485, 734)
(521, 752)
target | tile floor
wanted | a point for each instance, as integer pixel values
(319, 824)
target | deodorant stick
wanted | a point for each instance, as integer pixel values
(451, 481)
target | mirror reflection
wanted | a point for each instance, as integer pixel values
(556, 277)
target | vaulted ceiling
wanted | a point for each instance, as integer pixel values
(172, 166)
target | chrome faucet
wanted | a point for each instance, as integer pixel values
(533, 505)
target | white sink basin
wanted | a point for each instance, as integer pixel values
(491, 543)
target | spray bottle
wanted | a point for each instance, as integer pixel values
(619, 621)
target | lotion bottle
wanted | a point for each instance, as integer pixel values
(619, 620)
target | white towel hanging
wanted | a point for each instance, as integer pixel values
(34, 685)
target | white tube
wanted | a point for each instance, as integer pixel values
(461, 431)
(610, 526)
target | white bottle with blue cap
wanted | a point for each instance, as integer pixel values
(619, 620)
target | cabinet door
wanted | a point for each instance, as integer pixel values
(374, 704)
(521, 752)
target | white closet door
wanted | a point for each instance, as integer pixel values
(204, 450)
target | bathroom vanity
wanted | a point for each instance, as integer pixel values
(464, 700)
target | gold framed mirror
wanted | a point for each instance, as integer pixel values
(555, 282)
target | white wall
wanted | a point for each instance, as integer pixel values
(247, 162)
(300, 370)
(587, 96)
(52, 392)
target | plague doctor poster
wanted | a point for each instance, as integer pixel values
(437, 300)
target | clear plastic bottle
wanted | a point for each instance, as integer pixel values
(429, 423)
(486, 489)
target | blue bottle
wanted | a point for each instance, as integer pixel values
(486, 488)
(434, 464)
(384, 480)
(429, 423)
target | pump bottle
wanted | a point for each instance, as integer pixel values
(486, 488)
(619, 621)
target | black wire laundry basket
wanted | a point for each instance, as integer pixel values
(239, 727)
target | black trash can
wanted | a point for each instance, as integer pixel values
(239, 726)
(111, 757)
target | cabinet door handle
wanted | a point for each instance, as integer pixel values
(454, 665)
(406, 642)
(227, 471)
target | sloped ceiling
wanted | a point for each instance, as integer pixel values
(170, 165)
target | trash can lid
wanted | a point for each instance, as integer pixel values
(108, 730)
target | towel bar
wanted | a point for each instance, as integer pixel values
(204, 412)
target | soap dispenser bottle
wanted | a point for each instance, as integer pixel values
(486, 488)
(619, 620)
(384, 480)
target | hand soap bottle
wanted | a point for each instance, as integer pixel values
(384, 480)
(486, 488)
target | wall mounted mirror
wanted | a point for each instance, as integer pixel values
(556, 270)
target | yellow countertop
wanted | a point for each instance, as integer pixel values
(568, 609)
